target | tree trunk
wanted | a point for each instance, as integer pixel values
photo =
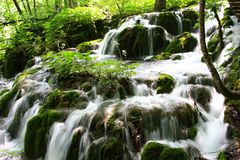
(29, 8)
(17, 6)
(34, 6)
(159, 5)
(220, 32)
(207, 58)
(24, 6)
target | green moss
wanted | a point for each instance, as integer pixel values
(5, 100)
(152, 151)
(65, 99)
(192, 16)
(222, 156)
(35, 142)
(165, 83)
(162, 56)
(168, 21)
(213, 43)
(192, 133)
(88, 46)
(86, 87)
(173, 154)
(73, 151)
(108, 149)
(187, 25)
(183, 43)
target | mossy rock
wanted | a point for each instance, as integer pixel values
(168, 21)
(106, 149)
(87, 47)
(97, 126)
(222, 156)
(14, 127)
(73, 151)
(213, 43)
(5, 100)
(187, 25)
(36, 137)
(192, 133)
(200, 79)
(165, 84)
(227, 21)
(15, 61)
(183, 43)
(152, 151)
(173, 154)
(86, 87)
(162, 56)
(65, 99)
(135, 41)
(192, 16)
(201, 95)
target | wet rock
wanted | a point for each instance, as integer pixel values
(35, 142)
(65, 99)
(173, 154)
(135, 41)
(200, 79)
(168, 21)
(183, 43)
(87, 47)
(73, 151)
(232, 151)
(152, 151)
(192, 16)
(165, 84)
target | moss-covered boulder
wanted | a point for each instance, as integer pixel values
(165, 84)
(187, 25)
(173, 154)
(200, 79)
(106, 149)
(192, 133)
(87, 47)
(15, 61)
(36, 137)
(5, 101)
(183, 43)
(73, 151)
(201, 95)
(65, 99)
(169, 21)
(152, 151)
(135, 41)
(192, 16)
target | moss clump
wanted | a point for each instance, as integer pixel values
(173, 154)
(35, 142)
(222, 156)
(192, 16)
(169, 21)
(213, 43)
(192, 133)
(65, 99)
(74, 147)
(109, 149)
(183, 43)
(162, 56)
(5, 100)
(88, 46)
(165, 84)
(152, 151)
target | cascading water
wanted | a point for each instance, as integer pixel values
(165, 118)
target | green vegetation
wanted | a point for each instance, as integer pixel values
(165, 83)
(222, 156)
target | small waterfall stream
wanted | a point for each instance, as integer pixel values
(167, 128)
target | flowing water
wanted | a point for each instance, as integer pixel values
(189, 73)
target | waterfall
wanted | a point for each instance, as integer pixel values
(180, 25)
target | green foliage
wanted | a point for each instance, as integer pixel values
(107, 73)
(72, 26)
(88, 46)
